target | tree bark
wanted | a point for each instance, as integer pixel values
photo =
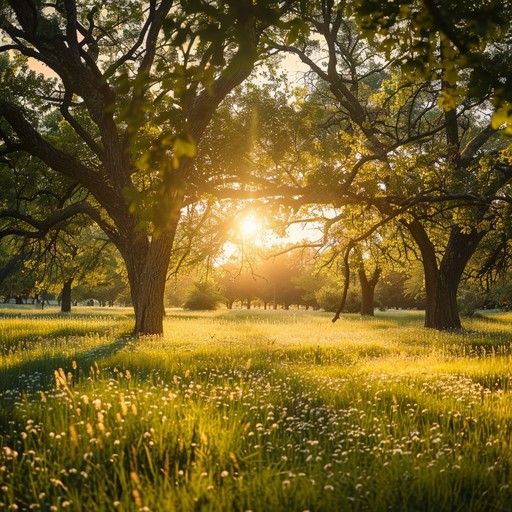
(442, 280)
(368, 290)
(65, 305)
(147, 264)
(346, 273)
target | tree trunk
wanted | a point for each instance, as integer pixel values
(444, 313)
(147, 264)
(442, 282)
(148, 304)
(368, 290)
(65, 305)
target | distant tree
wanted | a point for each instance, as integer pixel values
(368, 285)
(35, 215)
(392, 291)
(103, 277)
(308, 283)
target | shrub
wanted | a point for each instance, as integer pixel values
(203, 297)
(329, 299)
(469, 300)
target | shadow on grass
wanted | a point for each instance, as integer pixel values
(38, 374)
(244, 315)
(25, 341)
(493, 317)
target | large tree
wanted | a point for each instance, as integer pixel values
(134, 85)
(402, 144)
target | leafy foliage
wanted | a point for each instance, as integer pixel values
(204, 296)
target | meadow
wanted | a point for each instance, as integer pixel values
(254, 411)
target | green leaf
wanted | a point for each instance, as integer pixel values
(502, 116)
(184, 147)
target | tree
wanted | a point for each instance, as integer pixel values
(136, 86)
(56, 248)
(395, 290)
(15, 280)
(368, 289)
(476, 37)
(399, 150)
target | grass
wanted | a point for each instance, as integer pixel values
(237, 410)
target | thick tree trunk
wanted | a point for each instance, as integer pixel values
(368, 291)
(147, 264)
(444, 312)
(148, 303)
(442, 281)
(65, 305)
(460, 248)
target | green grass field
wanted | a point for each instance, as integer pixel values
(261, 411)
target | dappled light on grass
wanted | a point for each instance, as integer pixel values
(266, 411)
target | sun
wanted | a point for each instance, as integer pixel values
(249, 226)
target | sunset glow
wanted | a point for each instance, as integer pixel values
(249, 226)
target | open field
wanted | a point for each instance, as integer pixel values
(261, 411)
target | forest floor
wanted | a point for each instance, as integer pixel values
(254, 411)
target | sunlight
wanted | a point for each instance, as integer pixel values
(249, 226)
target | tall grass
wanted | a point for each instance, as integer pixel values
(256, 411)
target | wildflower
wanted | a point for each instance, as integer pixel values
(73, 435)
(136, 497)
(124, 407)
(10, 453)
